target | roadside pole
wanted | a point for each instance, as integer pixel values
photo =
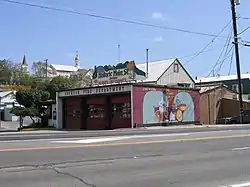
(237, 56)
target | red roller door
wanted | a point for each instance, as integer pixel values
(121, 112)
(73, 113)
(96, 113)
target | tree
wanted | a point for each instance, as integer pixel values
(12, 74)
(57, 83)
(30, 100)
(39, 69)
(23, 112)
(7, 68)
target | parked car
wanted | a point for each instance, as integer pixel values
(236, 119)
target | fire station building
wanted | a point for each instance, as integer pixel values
(123, 96)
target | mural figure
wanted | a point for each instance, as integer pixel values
(169, 107)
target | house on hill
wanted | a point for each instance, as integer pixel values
(167, 72)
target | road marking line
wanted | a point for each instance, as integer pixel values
(241, 185)
(240, 148)
(92, 140)
(108, 139)
(122, 143)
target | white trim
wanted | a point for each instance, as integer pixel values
(95, 90)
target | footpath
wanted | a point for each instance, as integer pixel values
(53, 134)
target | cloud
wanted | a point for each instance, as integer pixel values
(157, 16)
(158, 39)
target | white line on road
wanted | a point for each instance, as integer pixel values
(240, 148)
(241, 185)
(108, 139)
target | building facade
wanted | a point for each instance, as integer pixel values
(125, 96)
(167, 72)
(230, 81)
(125, 106)
(212, 108)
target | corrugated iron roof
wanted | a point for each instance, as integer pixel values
(221, 78)
(155, 69)
(59, 67)
(205, 89)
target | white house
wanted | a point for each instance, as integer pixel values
(7, 101)
(167, 72)
(61, 70)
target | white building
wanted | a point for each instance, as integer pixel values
(7, 101)
(68, 70)
(167, 72)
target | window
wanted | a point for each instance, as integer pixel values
(121, 110)
(185, 85)
(235, 97)
(176, 68)
(96, 111)
(235, 87)
(49, 112)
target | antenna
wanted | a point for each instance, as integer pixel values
(119, 53)
(147, 62)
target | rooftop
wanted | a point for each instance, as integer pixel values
(221, 78)
(5, 93)
(155, 68)
(59, 67)
(204, 89)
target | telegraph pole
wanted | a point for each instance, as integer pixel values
(237, 56)
(147, 62)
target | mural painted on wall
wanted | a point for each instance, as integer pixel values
(165, 105)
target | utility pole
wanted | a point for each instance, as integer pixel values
(237, 56)
(46, 68)
(147, 62)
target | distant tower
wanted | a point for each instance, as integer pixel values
(24, 65)
(77, 60)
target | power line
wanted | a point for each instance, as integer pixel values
(218, 62)
(244, 18)
(226, 50)
(193, 54)
(241, 32)
(135, 22)
(210, 43)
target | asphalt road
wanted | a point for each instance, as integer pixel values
(118, 132)
(205, 159)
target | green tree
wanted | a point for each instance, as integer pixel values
(39, 69)
(57, 83)
(7, 68)
(23, 112)
(31, 102)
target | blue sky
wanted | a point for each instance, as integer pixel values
(54, 35)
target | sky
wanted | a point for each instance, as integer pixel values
(56, 36)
